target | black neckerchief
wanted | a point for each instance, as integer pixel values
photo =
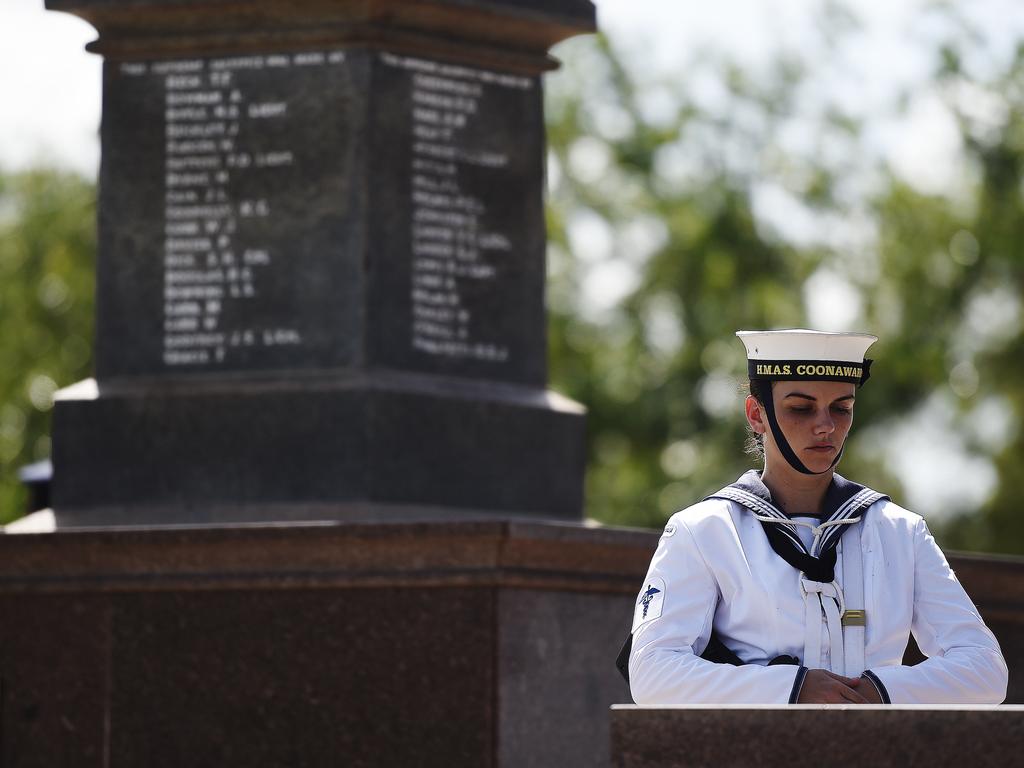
(844, 500)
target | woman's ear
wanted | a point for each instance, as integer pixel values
(755, 415)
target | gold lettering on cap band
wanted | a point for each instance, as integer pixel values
(806, 369)
(828, 370)
(774, 370)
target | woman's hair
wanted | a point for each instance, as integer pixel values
(754, 446)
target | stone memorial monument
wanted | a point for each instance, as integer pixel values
(320, 287)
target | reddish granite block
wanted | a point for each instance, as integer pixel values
(470, 643)
(812, 736)
(303, 677)
(419, 644)
(54, 650)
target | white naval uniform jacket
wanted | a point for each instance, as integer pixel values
(714, 568)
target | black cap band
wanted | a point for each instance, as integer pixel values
(809, 370)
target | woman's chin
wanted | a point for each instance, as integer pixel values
(818, 461)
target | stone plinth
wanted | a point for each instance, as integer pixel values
(330, 449)
(414, 644)
(321, 263)
(376, 644)
(810, 736)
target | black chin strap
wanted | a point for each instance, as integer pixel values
(783, 443)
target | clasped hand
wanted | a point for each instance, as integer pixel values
(824, 687)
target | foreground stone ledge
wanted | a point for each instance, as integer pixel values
(816, 735)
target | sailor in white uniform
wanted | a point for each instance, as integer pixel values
(796, 585)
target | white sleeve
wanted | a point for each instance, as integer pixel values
(964, 664)
(673, 628)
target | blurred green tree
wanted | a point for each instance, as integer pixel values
(660, 200)
(985, 356)
(47, 263)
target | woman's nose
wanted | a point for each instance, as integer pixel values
(825, 424)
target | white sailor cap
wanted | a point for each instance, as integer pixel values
(799, 354)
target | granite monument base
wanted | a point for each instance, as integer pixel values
(449, 644)
(810, 736)
(478, 643)
(312, 448)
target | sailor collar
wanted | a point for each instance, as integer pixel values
(844, 504)
(839, 492)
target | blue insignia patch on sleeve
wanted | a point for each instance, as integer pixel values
(650, 602)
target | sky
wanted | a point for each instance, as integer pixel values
(50, 92)
(50, 86)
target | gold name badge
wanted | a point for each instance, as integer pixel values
(855, 618)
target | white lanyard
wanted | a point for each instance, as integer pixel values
(854, 617)
(831, 602)
(823, 598)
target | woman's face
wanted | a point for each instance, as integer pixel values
(815, 417)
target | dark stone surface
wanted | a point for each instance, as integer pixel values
(582, 10)
(344, 677)
(231, 453)
(263, 248)
(476, 644)
(239, 233)
(507, 35)
(54, 662)
(809, 736)
(459, 231)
